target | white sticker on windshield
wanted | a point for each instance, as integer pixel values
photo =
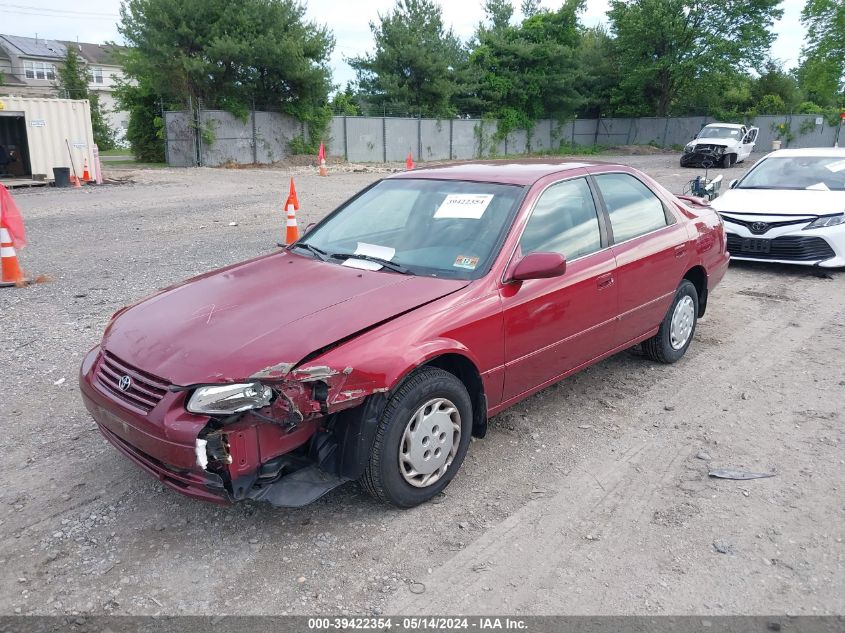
(819, 186)
(372, 250)
(837, 166)
(463, 205)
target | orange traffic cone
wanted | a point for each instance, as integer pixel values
(409, 162)
(12, 275)
(85, 175)
(291, 207)
(75, 181)
(321, 158)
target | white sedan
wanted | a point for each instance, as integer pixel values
(789, 208)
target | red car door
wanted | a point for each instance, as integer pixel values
(651, 251)
(553, 326)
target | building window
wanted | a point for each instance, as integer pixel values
(39, 70)
(97, 75)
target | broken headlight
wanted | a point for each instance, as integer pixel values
(229, 399)
(689, 147)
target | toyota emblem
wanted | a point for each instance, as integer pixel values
(124, 383)
(759, 227)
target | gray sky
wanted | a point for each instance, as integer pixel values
(94, 21)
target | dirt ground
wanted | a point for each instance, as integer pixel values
(591, 497)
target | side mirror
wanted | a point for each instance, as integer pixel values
(539, 266)
(733, 183)
(309, 227)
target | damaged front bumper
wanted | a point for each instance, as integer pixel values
(705, 155)
(288, 453)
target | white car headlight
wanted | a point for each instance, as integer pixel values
(689, 147)
(229, 399)
(826, 221)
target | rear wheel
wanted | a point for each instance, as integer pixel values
(421, 440)
(678, 327)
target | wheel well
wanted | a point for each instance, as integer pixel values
(698, 277)
(464, 370)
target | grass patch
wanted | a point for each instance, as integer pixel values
(132, 163)
(117, 151)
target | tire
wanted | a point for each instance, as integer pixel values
(728, 160)
(660, 347)
(390, 467)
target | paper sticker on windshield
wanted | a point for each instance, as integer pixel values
(465, 262)
(371, 250)
(463, 205)
(837, 166)
(819, 186)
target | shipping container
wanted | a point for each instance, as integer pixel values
(40, 134)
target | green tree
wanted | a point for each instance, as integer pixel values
(822, 71)
(345, 101)
(530, 7)
(599, 72)
(145, 129)
(73, 81)
(522, 73)
(230, 55)
(667, 46)
(416, 61)
(774, 81)
(770, 104)
(499, 13)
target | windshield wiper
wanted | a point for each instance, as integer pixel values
(398, 268)
(320, 253)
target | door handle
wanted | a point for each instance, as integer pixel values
(680, 251)
(604, 281)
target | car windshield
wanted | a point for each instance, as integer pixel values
(719, 132)
(443, 228)
(825, 173)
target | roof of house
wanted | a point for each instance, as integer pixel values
(97, 53)
(36, 47)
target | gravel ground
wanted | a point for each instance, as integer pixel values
(590, 497)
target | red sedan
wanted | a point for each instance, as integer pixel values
(376, 345)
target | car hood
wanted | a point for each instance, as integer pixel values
(271, 312)
(724, 142)
(799, 202)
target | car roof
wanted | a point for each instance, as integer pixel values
(833, 152)
(523, 171)
(734, 125)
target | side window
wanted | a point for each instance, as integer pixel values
(633, 208)
(564, 221)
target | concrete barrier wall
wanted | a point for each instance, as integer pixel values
(214, 137)
(180, 148)
(264, 137)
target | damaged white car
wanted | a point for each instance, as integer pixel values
(720, 145)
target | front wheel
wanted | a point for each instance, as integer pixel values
(421, 440)
(678, 327)
(728, 160)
